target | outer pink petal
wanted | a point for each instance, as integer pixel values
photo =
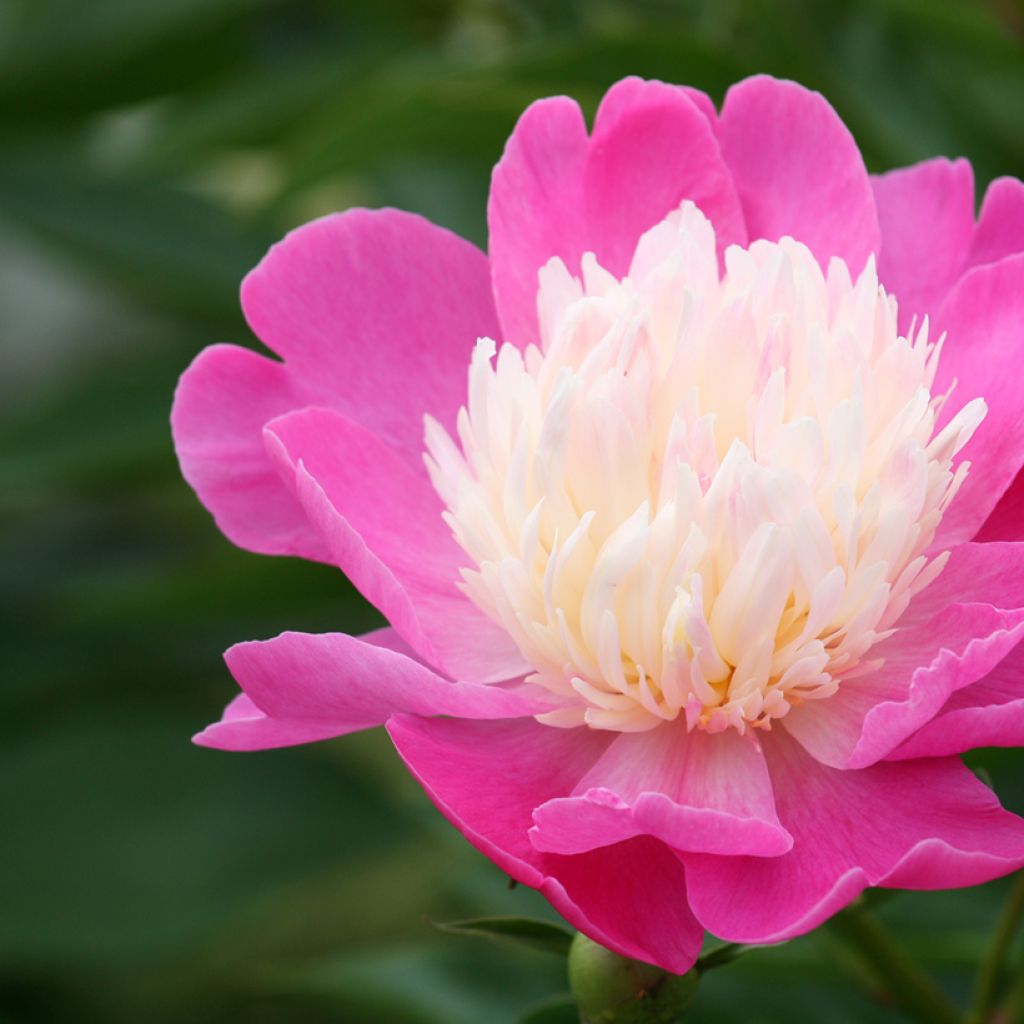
(376, 313)
(706, 794)
(382, 525)
(487, 778)
(984, 322)
(703, 102)
(915, 824)
(926, 216)
(798, 170)
(1000, 230)
(244, 727)
(379, 308)
(999, 233)
(990, 713)
(954, 633)
(1007, 519)
(222, 402)
(557, 193)
(301, 687)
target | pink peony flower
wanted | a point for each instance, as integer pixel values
(700, 586)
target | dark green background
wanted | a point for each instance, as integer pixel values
(150, 150)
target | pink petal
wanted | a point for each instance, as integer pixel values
(382, 525)
(487, 778)
(926, 216)
(798, 170)
(222, 402)
(381, 310)
(244, 727)
(1007, 519)
(557, 193)
(952, 635)
(376, 313)
(651, 148)
(703, 102)
(915, 825)
(989, 713)
(983, 319)
(707, 794)
(1000, 230)
(300, 687)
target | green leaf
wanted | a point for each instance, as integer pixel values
(524, 931)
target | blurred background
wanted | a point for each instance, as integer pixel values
(150, 150)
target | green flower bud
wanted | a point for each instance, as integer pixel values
(611, 989)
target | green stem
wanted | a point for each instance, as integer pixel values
(899, 976)
(991, 970)
(1013, 1009)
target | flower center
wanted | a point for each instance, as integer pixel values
(705, 495)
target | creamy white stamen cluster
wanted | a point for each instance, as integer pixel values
(706, 495)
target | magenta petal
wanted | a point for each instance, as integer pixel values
(300, 687)
(706, 794)
(1000, 230)
(488, 777)
(222, 402)
(244, 727)
(651, 148)
(926, 216)
(1007, 519)
(914, 824)
(984, 347)
(376, 314)
(380, 309)
(989, 713)
(381, 522)
(703, 102)
(798, 170)
(557, 193)
(952, 635)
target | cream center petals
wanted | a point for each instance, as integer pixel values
(705, 495)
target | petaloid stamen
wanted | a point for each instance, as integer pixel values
(703, 496)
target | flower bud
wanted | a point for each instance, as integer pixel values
(611, 989)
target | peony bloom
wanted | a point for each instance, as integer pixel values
(694, 507)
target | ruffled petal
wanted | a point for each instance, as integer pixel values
(487, 778)
(223, 400)
(707, 794)
(798, 171)
(984, 346)
(926, 216)
(952, 635)
(927, 824)
(300, 687)
(380, 309)
(382, 525)
(1000, 229)
(989, 713)
(557, 192)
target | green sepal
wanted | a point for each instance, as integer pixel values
(524, 931)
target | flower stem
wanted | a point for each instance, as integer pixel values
(899, 976)
(991, 969)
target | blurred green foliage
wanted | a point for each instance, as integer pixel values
(150, 152)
